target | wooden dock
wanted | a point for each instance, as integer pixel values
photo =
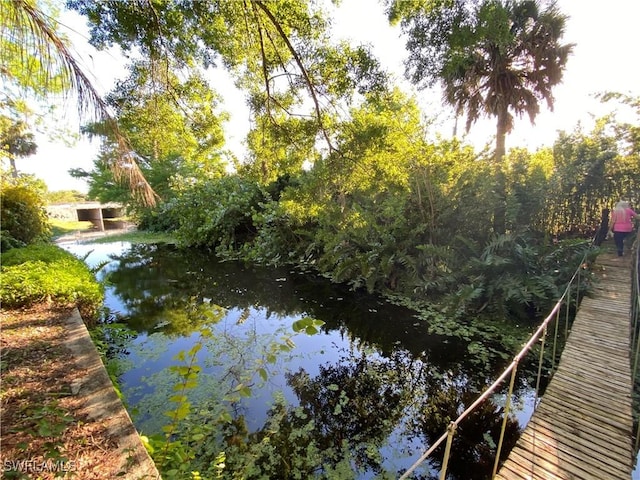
(582, 428)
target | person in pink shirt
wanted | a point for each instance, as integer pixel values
(622, 223)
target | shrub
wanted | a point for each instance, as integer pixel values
(160, 219)
(23, 215)
(47, 273)
(218, 213)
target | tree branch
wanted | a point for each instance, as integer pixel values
(28, 21)
(302, 69)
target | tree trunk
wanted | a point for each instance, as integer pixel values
(604, 228)
(501, 135)
(14, 170)
(500, 211)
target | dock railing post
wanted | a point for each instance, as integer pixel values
(555, 342)
(566, 319)
(451, 431)
(507, 410)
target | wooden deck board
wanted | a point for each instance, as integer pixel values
(578, 424)
(604, 382)
(582, 428)
(568, 437)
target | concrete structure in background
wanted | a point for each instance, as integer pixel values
(107, 216)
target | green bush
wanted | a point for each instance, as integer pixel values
(23, 215)
(39, 252)
(47, 273)
(217, 214)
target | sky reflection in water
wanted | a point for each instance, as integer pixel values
(152, 286)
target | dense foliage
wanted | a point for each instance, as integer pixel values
(343, 177)
(24, 219)
(65, 196)
(396, 213)
(45, 272)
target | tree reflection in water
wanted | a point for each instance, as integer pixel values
(348, 412)
(365, 404)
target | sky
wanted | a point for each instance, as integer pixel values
(606, 36)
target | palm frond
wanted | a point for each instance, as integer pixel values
(31, 31)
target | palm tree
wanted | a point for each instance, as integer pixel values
(36, 56)
(513, 60)
(494, 58)
(16, 141)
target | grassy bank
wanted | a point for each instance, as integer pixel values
(45, 432)
(135, 236)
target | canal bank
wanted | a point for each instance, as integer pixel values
(60, 412)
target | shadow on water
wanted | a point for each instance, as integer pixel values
(369, 392)
(150, 280)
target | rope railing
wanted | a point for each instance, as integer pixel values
(635, 319)
(539, 335)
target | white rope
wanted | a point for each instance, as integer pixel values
(494, 386)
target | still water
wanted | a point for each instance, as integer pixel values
(366, 382)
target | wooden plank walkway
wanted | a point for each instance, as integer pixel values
(582, 427)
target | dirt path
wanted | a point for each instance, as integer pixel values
(60, 413)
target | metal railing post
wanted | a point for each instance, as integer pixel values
(540, 362)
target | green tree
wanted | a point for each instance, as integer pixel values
(279, 146)
(15, 141)
(277, 50)
(102, 185)
(65, 196)
(528, 188)
(163, 115)
(24, 218)
(627, 133)
(591, 174)
(172, 125)
(495, 57)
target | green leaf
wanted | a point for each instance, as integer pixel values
(206, 333)
(189, 384)
(225, 417)
(180, 356)
(195, 349)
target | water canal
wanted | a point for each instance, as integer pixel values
(356, 384)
